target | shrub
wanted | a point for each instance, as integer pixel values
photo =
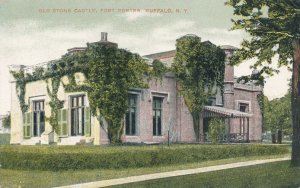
(57, 158)
(4, 139)
(216, 130)
(6, 121)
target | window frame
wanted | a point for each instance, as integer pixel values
(38, 111)
(243, 102)
(156, 130)
(76, 108)
(135, 107)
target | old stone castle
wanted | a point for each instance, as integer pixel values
(155, 114)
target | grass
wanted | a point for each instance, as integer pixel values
(271, 175)
(23, 178)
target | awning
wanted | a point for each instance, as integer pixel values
(217, 111)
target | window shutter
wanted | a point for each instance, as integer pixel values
(27, 118)
(62, 119)
(87, 121)
(64, 122)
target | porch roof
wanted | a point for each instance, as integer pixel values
(217, 111)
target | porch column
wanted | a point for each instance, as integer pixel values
(228, 129)
(240, 125)
(248, 129)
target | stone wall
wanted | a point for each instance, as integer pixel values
(255, 122)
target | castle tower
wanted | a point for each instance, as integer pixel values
(228, 97)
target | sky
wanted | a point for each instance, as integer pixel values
(36, 31)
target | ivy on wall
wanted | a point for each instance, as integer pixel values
(159, 70)
(21, 89)
(55, 103)
(109, 73)
(199, 69)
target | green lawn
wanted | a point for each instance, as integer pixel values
(273, 175)
(23, 178)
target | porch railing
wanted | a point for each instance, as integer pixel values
(232, 138)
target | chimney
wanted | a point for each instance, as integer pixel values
(104, 41)
(103, 36)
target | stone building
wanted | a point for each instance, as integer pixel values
(155, 115)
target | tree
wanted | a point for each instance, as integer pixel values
(111, 74)
(199, 69)
(274, 28)
(278, 115)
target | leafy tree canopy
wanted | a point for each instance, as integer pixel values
(274, 28)
(272, 25)
(278, 115)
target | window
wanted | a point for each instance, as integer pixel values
(157, 115)
(244, 107)
(38, 118)
(131, 115)
(211, 101)
(77, 115)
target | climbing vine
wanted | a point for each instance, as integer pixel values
(261, 102)
(55, 103)
(21, 89)
(199, 69)
(109, 73)
(159, 70)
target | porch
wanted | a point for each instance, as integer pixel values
(236, 124)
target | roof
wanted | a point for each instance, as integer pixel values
(228, 47)
(107, 43)
(172, 53)
(217, 111)
(76, 49)
(162, 55)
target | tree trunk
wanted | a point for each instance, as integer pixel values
(296, 105)
(273, 138)
(196, 123)
(114, 130)
(279, 137)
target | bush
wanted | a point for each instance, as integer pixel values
(6, 121)
(4, 139)
(216, 130)
(57, 158)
